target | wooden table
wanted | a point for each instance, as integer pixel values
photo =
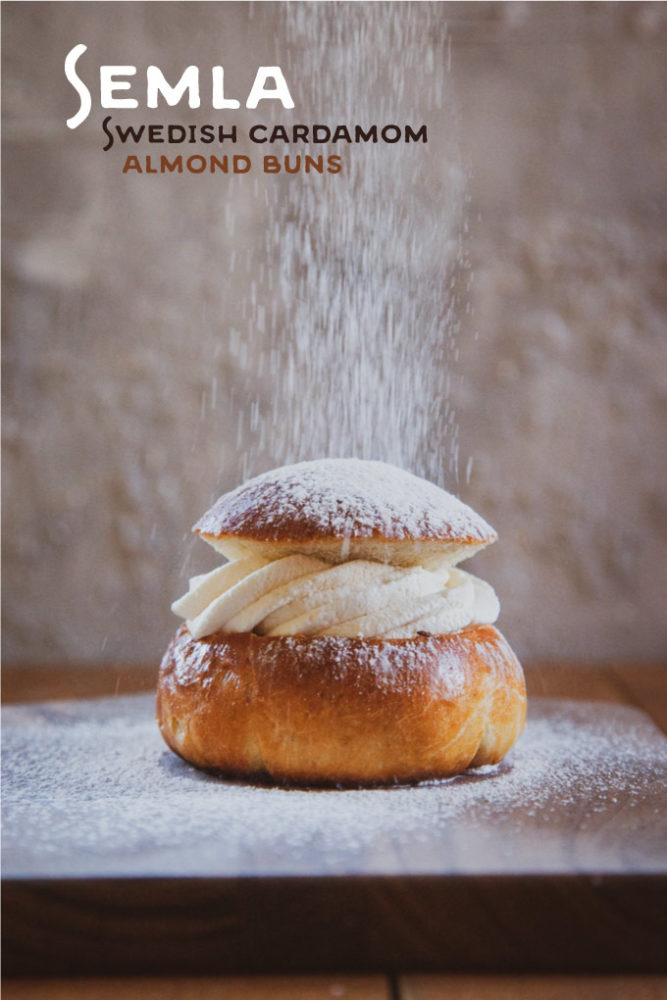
(73, 905)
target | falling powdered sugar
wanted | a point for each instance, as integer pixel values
(351, 322)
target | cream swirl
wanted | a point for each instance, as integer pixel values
(302, 595)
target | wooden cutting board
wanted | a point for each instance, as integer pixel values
(119, 857)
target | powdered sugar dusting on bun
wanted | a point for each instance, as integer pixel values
(343, 499)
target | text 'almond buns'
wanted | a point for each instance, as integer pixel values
(340, 643)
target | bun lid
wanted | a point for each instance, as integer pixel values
(342, 508)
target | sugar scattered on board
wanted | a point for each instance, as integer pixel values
(90, 787)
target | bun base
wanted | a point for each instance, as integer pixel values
(339, 711)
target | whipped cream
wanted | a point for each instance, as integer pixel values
(303, 595)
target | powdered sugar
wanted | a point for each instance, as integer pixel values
(90, 789)
(354, 313)
(342, 498)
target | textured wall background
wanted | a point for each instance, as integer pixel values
(135, 382)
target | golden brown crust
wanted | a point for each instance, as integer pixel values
(345, 711)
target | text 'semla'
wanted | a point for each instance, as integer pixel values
(115, 80)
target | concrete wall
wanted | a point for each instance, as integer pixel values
(129, 403)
